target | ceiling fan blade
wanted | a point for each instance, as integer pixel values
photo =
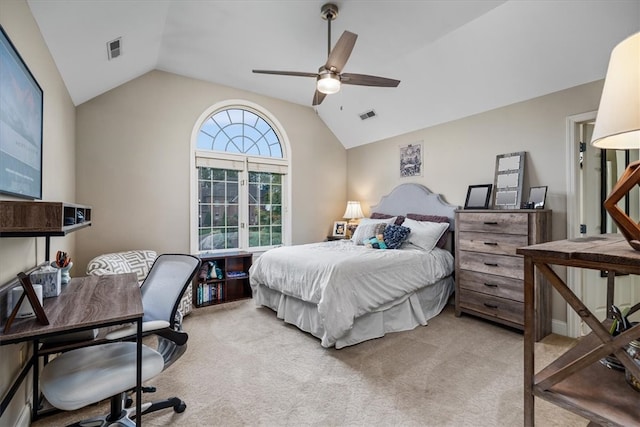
(287, 73)
(365, 80)
(318, 97)
(341, 52)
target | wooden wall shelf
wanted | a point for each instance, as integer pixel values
(42, 219)
(32, 218)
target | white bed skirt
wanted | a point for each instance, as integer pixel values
(401, 315)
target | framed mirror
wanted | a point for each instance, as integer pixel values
(508, 180)
(537, 196)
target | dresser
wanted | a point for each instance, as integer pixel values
(489, 272)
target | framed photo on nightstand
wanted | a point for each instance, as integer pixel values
(340, 229)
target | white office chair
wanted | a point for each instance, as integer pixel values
(90, 374)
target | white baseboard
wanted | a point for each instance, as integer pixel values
(559, 328)
(24, 419)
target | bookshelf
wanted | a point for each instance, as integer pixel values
(230, 284)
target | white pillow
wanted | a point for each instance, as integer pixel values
(367, 228)
(425, 234)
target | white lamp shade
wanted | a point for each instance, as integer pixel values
(353, 210)
(618, 121)
(328, 83)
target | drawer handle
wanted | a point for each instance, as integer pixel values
(490, 223)
(491, 264)
(491, 243)
(491, 285)
(490, 305)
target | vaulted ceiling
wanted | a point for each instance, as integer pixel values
(454, 58)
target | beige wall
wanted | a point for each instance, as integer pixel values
(134, 144)
(463, 152)
(58, 170)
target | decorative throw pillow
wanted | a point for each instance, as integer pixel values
(425, 234)
(433, 218)
(376, 242)
(395, 235)
(367, 228)
(398, 221)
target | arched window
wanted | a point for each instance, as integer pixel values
(241, 174)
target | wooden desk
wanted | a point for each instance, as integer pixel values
(85, 303)
(576, 380)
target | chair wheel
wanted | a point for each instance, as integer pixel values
(128, 402)
(180, 408)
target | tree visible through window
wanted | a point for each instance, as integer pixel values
(241, 174)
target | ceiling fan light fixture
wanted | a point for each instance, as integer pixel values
(328, 83)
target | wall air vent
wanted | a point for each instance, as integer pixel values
(367, 115)
(114, 48)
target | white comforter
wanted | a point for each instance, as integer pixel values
(347, 281)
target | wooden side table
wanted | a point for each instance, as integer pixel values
(577, 381)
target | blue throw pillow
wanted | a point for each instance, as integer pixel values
(395, 235)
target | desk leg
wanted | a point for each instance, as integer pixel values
(35, 362)
(529, 332)
(139, 375)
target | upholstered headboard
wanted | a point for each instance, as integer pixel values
(415, 198)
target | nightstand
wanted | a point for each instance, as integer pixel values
(332, 238)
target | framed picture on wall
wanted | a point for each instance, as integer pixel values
(20, 125)
(411, 160)
(339, 228)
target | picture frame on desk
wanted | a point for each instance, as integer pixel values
(30, 294)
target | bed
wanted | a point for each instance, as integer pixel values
(345, 293)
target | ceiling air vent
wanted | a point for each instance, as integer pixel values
(114, 48)
(367, 115)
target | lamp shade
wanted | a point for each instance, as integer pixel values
(328, 83)
(618, 121)
(353, 210)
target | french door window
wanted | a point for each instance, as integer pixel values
(241, 182)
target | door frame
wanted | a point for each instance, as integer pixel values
(574, 276)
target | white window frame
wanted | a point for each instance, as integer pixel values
(252, 163)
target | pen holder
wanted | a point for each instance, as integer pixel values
(65, 276)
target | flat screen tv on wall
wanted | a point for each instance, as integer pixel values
(20, 125)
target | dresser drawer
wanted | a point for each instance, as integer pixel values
(500, 265)
(494, 243)
(494, 222)
(499, 286)
(493, 307)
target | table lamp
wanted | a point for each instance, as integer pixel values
(618, 127)
(352, 213)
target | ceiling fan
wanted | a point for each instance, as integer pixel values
(330, 77)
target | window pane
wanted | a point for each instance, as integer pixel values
(276, 236)
(218, 216)
(254, 212)
(254, 236)
(205, 216)
(239, 131)
(218, 210)
(276, 214)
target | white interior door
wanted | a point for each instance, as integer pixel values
(591, 285)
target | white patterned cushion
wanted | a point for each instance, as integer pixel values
(136, 261)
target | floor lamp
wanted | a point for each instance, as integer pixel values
(618, 127)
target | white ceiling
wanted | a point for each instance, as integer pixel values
(454, 58)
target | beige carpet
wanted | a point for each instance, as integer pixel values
(245, 367)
